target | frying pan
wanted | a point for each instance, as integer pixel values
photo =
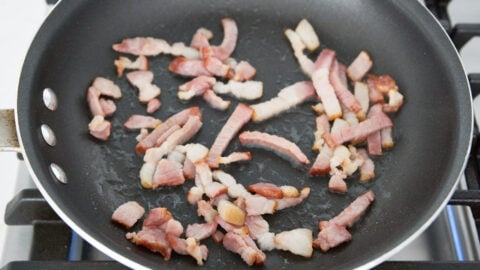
(414, 180)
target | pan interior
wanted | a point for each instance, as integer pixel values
(431, 132)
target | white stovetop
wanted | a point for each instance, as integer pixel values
(19, 21)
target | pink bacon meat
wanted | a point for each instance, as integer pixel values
(138, 121)
(153, 105)
(200, 38)
(201, 231)
(128, 214)
(240, 116)
(341, 90)
(215, 101)
(222, 52)
(168, 173)
(142, 46)
(359, 67)
(142, 79)
(188, 67)
(279, 145)
(100, 128)
(123, 63)
(243, 71)
(108, 106)
(245, 247)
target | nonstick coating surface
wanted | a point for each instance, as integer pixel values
(432, 131)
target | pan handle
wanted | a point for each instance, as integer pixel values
(8, 134)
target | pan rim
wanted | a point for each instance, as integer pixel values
(372, 263)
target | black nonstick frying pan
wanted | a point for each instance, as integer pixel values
(414, 180)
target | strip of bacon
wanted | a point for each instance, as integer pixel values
(321, 81)
(344, 95)
(179, 49)
(374, 140)
(359, 67)
(235, 157)
(154, 240)
(201, 231)
(383, 83)
(337, 184)
(168, 173)
(179, 118)
(298, 46)
(147, 46)
(128, 214)
(142, 79)
(387, 138)
(216, 67)
(123, 63)
(279, 145)
(287, 98)
(230, 35)
(247, 90)
(100, 128)
(167, 134)
(200, 38)
(361, 94)
(195, 87)
(153, 105)
(215, 101)
(362, 130)
(267, 190)
(355, 210)
(137, 121)
(93, 99)
(240, 116)
(373, 93)
(245, 247)
(258, 205)
(107, 87)
(257, 226)
(188, 67)
(243, 71)
(331, 236)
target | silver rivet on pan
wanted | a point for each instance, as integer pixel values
(50, 99)
(58, 173)
(48, 135)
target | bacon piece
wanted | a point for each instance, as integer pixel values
(154, 240)
(267, 190)
(395, 101)
(128, 214)
(359, 67)
(215, 101)
(123, 63)
(230, 35)
(188, 67)
(201, 231)
(215, 189)
(93, 99)
(258, 205)
(279, 145)
(168, 173)
(325, 90)
(359, 131)
(218, 237)
(167, 134)
(321, 166)
(367, 169)
(142, 79)
(196, 152)
(243, 71)
(298, 46)
(235, 157)
(179, 49)
(203, 175)
(137, 121)
(287, 98)
(361, 94)
(318, 108)
(143, 133)
(108, 106)
(286, 202)
(383, 83)
(331, 236)
(217, 67)
(387, 139)
(157, 218)
(240, 116)
(229, 227)
(344, 95)
(147, 46)
(374, 94)
(374, 140)
(297, 241)
(179, 118)
(257, 226)
(323, 127)
(194, 195)
(107, 87)
(336, 183)
(238, 190)
(224, 178)
(247, 90)
(195, 87)
(188, 247)
(206, 210)
(188, 169)
(100, 128)
(307, 34)
(174, 227)
(153, 105)
(245, 247)
(200, 38)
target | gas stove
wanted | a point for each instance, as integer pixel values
(32, 236)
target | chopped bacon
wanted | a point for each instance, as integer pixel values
(216, 67)
(323, 127)
(307, 34)
(245, 247)
(355, 210)
(218, 237)
(188, 247)
(188, 169)
(359, 131)
(196, 152)
(167, 134)
(215, 189)
(367, 169)
(203, 175)
(143, 133)
(257, 226)
(201, 231)
(235, 157)
(298, 46)
(279, 145)
(206, 210)
(267, 190)
(395, 101)
(142, 79)
(137, 121)
(297, 241)
(177, 119)
(243, 71)
(344, 95)
(359, 67)
(224, 196)
(195, 87)
(142, 46)
(374, 94)
(240, 116)
(224, 178)
(179, 49)
(374, 140)
(123, 63)
(93, 99)
(287, 98)
(107, 87)
(153, 105)
(200, 38)
(128, 214)
(154, 240)
(188, 67)
(286, 202)
(361, 94)
(321, 165)
(100, 128)
(247, 90)
(168, 173)
(331, 236)
(108, 106)
(383, 83)
(215, 101)
(325, 90)
(195, 194)
(258, 205)
(157, 218)
(225, 49)
(336, 183)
